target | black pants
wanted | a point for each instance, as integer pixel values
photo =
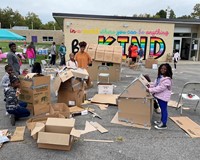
(175, 64)
(53, 59)
(62, 60)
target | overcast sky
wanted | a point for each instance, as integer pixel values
(45, 8)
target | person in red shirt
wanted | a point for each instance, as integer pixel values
(134, 53)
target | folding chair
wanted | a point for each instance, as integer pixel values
(190, 92)
(102, 73)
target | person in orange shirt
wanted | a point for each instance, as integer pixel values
(83, 57)
(84, 60)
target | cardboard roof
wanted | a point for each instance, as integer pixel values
(137, 88)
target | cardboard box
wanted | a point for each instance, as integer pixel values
(135, 104)
(150, 61)
(99, 56)
(58, 134)
(60, 108)
(114, 70)
(69, 84)
(35, 90)
(91, 53)
(105, 88)
(91, 50)
(117, 57)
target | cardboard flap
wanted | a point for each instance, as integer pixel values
(189, 126)
(56, 84)
(80, 73)
(53, 138)
(38, 127)
(18, 134)
(65, 75)
(60, 122)
(30, 75)
(143, 80)
(75, 133)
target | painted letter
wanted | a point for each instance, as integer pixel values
(75, 48)
(122, 40)
(109, 41)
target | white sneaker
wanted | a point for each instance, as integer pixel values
(158, 110)
(161, 126)
(7, 113)
(157, 122)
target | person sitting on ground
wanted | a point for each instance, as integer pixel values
(14, 107)
(37, 68)
(72, 63)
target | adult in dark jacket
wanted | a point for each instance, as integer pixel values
(13, 59)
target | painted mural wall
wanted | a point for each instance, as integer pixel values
(156, 39)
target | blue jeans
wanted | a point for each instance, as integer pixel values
(164, 112)
(20, 111)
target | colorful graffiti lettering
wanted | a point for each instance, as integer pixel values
(122, 40)
(106, 41)
(74, 44)
(154, 41)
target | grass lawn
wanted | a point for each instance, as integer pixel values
(5, 48)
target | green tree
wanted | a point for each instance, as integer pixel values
(185, 17)
(196, 11)
(161, 14)
(172, 14)
(51, 25)
(33, 21)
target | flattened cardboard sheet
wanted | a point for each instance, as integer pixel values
(173, 104)
(88, 128)
(189, 126)
(75, 109)
(102, 106)
(105, 98)
(18, 134)
(99, 127)
(116, 121)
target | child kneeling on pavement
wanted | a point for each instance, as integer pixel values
(14, 107)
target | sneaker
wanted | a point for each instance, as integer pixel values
(157, 122)
(12, 119)
(6, 113)
(158, 111)
(161, 126)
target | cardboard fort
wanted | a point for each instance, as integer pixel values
(35, 90)
(150, 61)
(69, 84)
(135, 105)
(57, 134)
(114, 70)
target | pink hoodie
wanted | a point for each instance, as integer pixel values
(30, 53)
(163, 90)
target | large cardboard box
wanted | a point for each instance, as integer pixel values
(135, 104)
(69, 84)
(150, 61)
(117, 57)
(57, 134)
(114, 70)
(35, 90)
(60, 108)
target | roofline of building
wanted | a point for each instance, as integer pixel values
(123, 18)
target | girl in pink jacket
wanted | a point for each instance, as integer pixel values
(161, 89)
(30, 55)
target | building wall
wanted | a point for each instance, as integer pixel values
(155, 38)
(57, 35)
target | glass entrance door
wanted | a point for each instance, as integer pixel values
(177, 45)
(195, 49)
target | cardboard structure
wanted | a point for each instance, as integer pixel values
(35, 90)
(105, 53)
(150, 61)
(69, 84)
(135, 105)
(114, 70)
(105, 99)
(110, 56)
(57, 134)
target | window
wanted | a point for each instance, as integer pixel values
(45, 39)
(182, 34)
